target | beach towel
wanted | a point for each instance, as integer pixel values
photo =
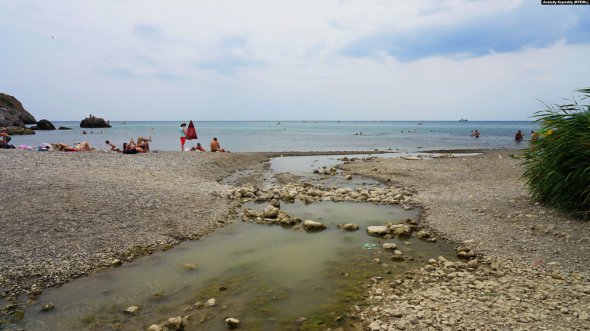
(191, 132)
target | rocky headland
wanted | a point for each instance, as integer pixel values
(14, 116)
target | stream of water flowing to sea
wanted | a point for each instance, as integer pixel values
(403, 136)
(268, 277)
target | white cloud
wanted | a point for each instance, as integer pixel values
(265, 60)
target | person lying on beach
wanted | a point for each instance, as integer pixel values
(133, 148)
(215, 146)
(142, 144)
(113, 147)
(83, 146)
(198, 148)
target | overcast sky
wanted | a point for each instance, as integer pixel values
(292, 60)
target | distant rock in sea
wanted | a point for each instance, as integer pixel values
(94, 122)
(64, 128)
(15, 130)
(12, 112)
(44, 125)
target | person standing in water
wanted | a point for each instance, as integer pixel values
(182, 131)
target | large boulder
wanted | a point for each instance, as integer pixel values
(44, 125)
(12, 112)
(94, 122)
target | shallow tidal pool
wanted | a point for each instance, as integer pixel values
(268, 277)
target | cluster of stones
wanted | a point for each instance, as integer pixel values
(182, 322)
(309, 193)
(484, 295)
(272, 215)
(399, 230)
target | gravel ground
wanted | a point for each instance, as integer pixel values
(533, 266)
(63, 215)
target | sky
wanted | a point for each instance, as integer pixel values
(292, 60)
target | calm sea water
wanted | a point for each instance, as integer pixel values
(299, 135)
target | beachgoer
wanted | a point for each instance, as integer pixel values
(113, 147)
(84, 132)
(83, 146)
(215, 146)
(4, 136)
(182, 132)
(471, 133)
(132, 148)
(142, 145)
(476, 134)
(518, 136)
(534, 136)
(198, 148)
(4, 139)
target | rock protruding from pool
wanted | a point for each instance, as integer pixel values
(270, 211)
(377, 230)
(232, 323)
(313, 226)
(348, 227)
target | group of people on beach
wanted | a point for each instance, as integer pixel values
(214, 145)
(141, 146)
(519, 136)
(475, 134)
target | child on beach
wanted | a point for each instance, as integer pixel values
(198, 148)
(182, 132)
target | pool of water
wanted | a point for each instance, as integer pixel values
(268, 277)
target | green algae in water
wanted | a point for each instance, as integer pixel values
(270, 277)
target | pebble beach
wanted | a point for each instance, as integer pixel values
(66, 215)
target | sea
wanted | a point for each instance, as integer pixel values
(289, 136)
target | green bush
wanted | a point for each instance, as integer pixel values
(557, 165)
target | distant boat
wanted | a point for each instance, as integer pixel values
(463, 120)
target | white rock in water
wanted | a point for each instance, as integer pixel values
(251, 213)
(377, 230)
(348, 227)
(310, 225)
(211, 302)
(422, 234)
(401, 230)
(131, 310)
(232, 323)
(271, 211)
(389, 246)
(174, 323)
(154, 327)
